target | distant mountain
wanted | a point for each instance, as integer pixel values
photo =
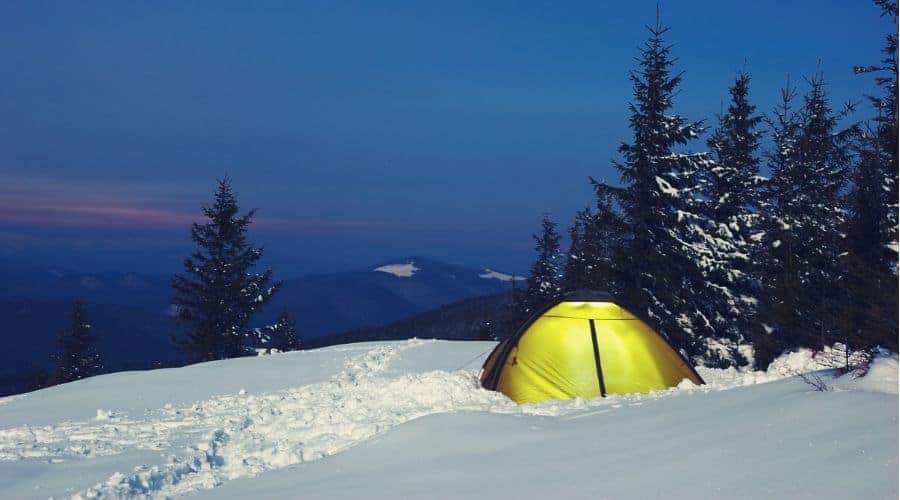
(331, 303)
(131, 311)
(479, 318)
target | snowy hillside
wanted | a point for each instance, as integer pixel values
(407, 419)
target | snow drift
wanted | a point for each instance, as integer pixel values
(409, 419)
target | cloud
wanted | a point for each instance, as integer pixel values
(36, 202)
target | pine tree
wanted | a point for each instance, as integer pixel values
(219, 292)
(283, 334)
(577, 268)
(777, 267)
(544, 279)
(869, 314)
(77, 356)
(800, 254)
(668, 244)
(732, 204)
(598, 241)
(883, 143)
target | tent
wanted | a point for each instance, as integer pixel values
(583, 345)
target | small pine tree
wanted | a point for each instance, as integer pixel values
(218, 293)
(77, 356)
(544, 280)
(283, 334)
(486, 331)
(577, 268)
(597, 245)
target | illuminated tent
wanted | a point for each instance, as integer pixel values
(584, 345)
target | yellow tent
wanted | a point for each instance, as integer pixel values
(584, 345)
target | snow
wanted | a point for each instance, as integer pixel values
(399, 270)
(408, 419)
(495, 275)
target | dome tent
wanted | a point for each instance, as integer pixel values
(583, 345)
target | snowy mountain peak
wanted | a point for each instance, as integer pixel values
(495, 275)
(399, 270)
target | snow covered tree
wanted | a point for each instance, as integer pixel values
(597, 243)
(731, 194)
(869, 313)
(883, 144)
(668, 244)
(77, 356)
(577, 268)
(219, 292)
(777, 268)
(283, 334)
(544, 279)
(800, 264)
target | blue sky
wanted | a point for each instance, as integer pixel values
(363, 131)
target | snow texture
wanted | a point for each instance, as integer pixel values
(495, 275)
(399, 270)
(408, 419)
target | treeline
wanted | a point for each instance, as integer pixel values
(715, 255)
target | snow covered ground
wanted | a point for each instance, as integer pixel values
(408, 419)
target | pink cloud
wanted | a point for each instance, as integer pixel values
(48, 202)
(95, 217)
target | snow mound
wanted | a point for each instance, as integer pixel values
(496, 275)
(880, 377)
(399, 270)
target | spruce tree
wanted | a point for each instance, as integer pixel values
(869, 313)
(577, 268)
(598, 240)
(283, 334)
(801, 252)
(668, 244)
(219, 291)
(544, 279)
(732, 204)
(77, 356)
(777, 267)
(824, 158)
(883, 141)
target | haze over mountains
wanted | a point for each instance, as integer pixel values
(131, 312)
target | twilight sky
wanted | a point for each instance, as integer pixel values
(362, 131)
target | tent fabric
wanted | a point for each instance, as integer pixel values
(584, 348)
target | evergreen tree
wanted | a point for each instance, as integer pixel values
(577, 268)
(544, 279)
(598, 240)
(777, 268)
(77, 356)
(869, 313)
(800, 255)
(883, 144)
(283, 334)
(734, 185)
(732, 204)
(668, 244)
(219, 292)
